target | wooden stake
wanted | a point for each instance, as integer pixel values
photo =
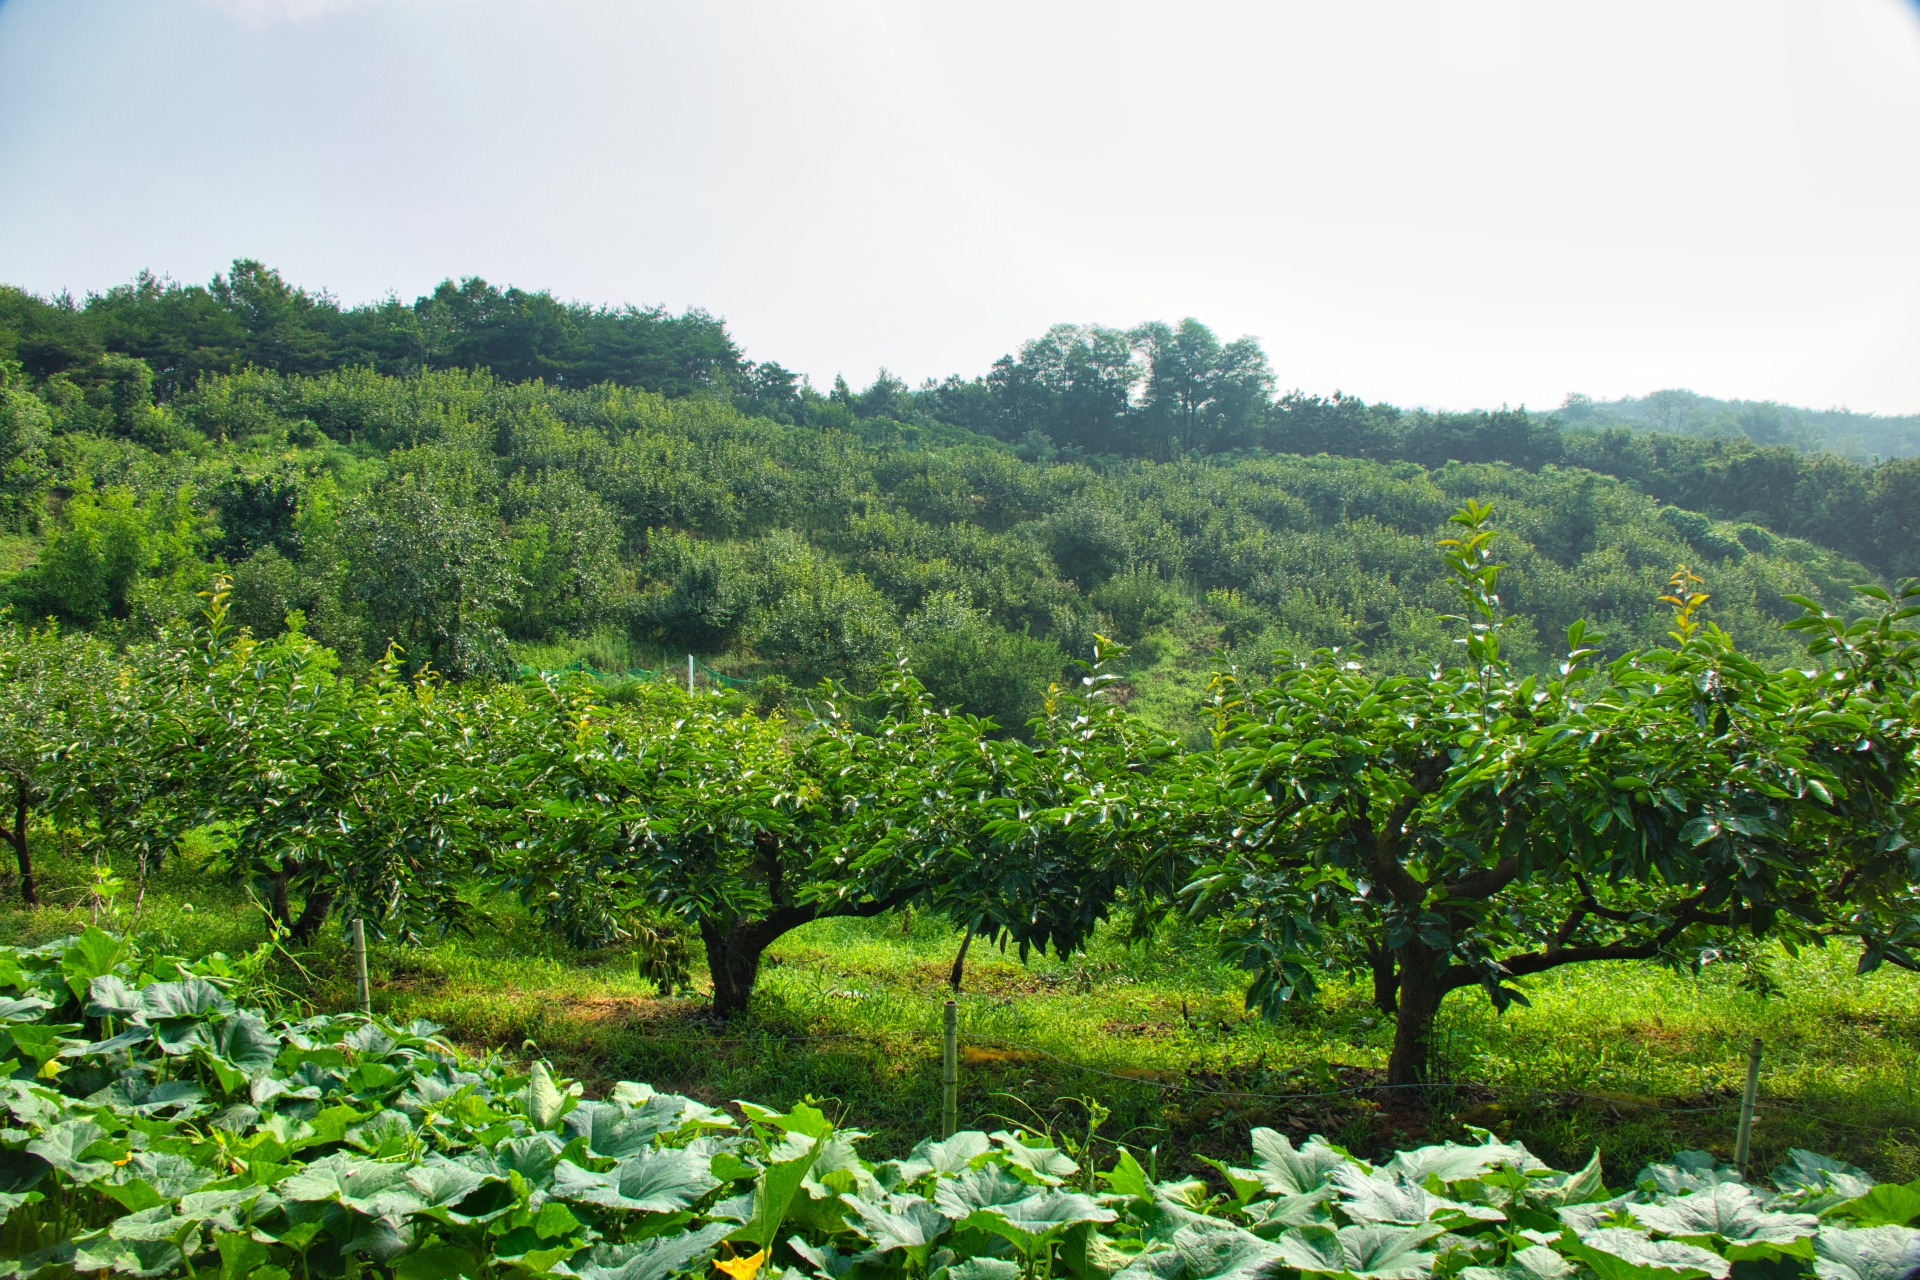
(360, 964)
(950, 1072)
(1746, 1106)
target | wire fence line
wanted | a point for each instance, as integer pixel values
(1613, 1100)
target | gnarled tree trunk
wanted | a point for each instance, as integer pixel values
(1421, 990)
(733, 957)
(17, 837)
(313, 914)
(1386, 982)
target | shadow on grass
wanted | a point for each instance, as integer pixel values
(1633, 1061)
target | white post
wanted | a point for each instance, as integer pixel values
(689, 673)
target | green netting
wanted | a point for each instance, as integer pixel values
(637, 673)
(731, 682)
(631, 673)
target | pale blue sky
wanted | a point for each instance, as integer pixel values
(1441, 203)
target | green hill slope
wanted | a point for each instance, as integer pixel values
(480, 522)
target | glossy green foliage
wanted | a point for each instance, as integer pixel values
(1480, 823)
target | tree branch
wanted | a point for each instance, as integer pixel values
(1483, 884)
(1687, 914)
(1388, 838)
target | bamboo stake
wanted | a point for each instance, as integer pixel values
(950, 1072)
(1746, 1106)
(360, 965)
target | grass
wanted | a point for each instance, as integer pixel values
(1636, 1061)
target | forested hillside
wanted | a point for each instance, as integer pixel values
(493, 477)
(1860, 436)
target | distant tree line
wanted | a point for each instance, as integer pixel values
(249, 317)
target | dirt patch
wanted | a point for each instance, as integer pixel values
(1139, 1030)
(619, 1010)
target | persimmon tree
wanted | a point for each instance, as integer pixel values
(748, 828)
(352, 793)
(1477, 825)
(50, 685)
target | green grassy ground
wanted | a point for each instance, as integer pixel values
(1636, 1061)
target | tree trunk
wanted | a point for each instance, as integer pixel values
(17, 837)
(313, 914)
(733, 962)
(277, 906)
(1386, 982)
(1421, 989)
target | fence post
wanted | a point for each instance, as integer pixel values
(950, 1072)
(689, 673)
(360, 964)
(1746, 1106)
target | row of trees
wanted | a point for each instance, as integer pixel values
(1463, 828)
(249, 316)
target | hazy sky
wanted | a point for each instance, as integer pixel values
(1455, 204)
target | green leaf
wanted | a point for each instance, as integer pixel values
(345, 1178)
(774, 1189)
(898, 1222)
(192, 998)
(1377, 1197)
(1047, 1166)
(1560, 1189)
(652, 1259)
(244, 1041)
(1618, 1253)
(388, 1133)
(1452, 1162)
(1287, 1171)
(555, 1221)
(1888, 1204)
(651, 1182)
(1387, 1253)
(92, 955)
(1222, 1251)
(984, 1269)
(1871, 1253)
(110, 995)
(1127, 1178)
(166, 1173)
(441, 1262)
(1243, 1183)
(545, 1101)
(803, 1119)
(1536, 1262)
(24, 1009)
(1039, 1218)
(1809, 1174)
(1270, 1217)
(139, 1258)
(240, 1253)
(65, 1146)
(952, 1155)
(1689, 1171)
(1729, 1211)
(981, 1188)
(613, 1131)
